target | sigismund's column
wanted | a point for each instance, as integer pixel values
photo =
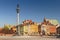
(18, 11)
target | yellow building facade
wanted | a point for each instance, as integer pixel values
(30, 29)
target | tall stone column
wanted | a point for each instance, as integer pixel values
(18, 11)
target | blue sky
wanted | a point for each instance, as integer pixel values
(35, 10)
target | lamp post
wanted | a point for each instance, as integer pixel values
(18, 11)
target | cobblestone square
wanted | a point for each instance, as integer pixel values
(28, 38)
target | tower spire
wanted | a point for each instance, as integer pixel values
(44, 19)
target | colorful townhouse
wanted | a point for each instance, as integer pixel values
(29, 28)
(48, 26)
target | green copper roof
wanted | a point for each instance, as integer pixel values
(54, 22)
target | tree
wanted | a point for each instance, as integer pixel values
(7, 28)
